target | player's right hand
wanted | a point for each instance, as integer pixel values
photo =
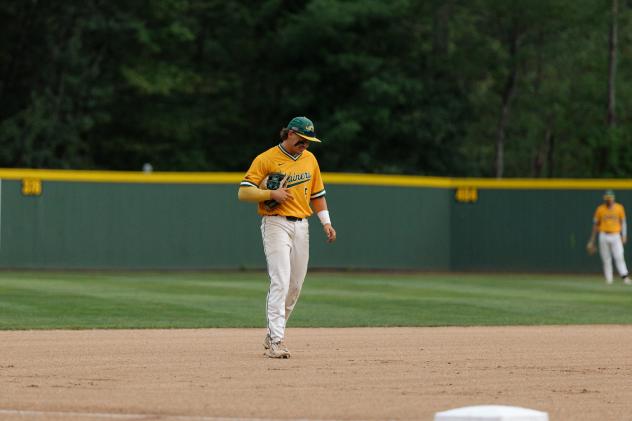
(281, 194)
(590, 248)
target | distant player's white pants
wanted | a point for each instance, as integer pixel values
(286, 246)
(610, 246)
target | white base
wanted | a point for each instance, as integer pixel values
(491, 413)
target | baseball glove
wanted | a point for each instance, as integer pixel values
(274, 181)
(590, 248)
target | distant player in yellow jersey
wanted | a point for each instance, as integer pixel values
(609, 222)
(284, 226)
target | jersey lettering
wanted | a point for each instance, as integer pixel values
(298, 177)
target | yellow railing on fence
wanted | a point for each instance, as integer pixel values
(329, 178)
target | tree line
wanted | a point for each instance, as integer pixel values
(484, 88)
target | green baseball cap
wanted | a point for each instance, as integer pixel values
(303, 127)
(608, 194)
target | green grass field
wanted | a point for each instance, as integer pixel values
(72, 300)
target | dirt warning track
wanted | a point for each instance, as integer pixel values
(572, 372)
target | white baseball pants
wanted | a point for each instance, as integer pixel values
(286, 246)
(611, 246)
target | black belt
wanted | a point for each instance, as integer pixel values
(291, 218)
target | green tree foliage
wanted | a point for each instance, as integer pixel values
(436, 87)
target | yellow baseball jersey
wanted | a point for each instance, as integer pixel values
(304, 180)
(609, 219)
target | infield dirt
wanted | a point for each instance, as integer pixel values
(578, 373)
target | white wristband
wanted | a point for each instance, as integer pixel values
(323, 215)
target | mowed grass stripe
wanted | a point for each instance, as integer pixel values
(80, 300)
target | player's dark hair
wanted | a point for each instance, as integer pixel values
(284, 132)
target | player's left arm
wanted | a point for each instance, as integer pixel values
(624, 227)
(320, 207)
(319, 204)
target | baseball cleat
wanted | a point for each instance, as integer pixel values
(627, 281)
(266, 341)
(278, 350)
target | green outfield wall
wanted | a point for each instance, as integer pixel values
(193, 221)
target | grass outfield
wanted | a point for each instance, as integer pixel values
(47, 300)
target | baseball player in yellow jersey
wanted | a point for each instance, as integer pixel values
(284, 226)
(609, 222)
